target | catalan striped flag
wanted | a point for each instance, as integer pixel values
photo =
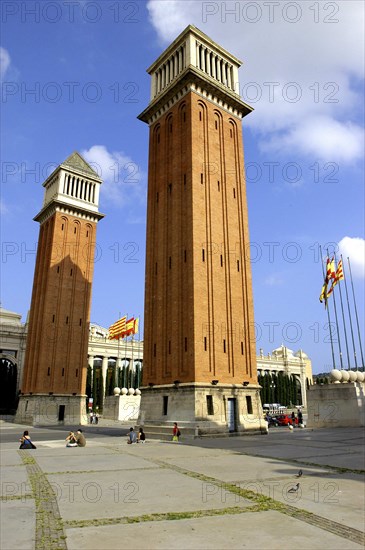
(117, 329)
(338, 277)
(131, 327)
(330, 276)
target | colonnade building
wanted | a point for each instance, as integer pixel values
(107, 356)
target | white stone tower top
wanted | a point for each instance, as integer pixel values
(73, 187)
(194, 62)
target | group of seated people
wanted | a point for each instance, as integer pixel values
(75, 440)
(133, 437)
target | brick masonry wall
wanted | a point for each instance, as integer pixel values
(56, 355)
(198, 294)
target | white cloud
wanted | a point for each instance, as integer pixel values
(273, 280)
(317, 60)
(4, 61)
(122, 177)
(322, 137)
(353, 248)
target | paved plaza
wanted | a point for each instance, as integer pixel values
(235, 492)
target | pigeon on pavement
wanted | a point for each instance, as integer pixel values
(294, 489)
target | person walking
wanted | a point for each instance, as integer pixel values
(176, 433)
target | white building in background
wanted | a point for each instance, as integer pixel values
(109, 354)
(286, 361)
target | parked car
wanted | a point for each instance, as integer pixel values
(285, 420)
(271, 420)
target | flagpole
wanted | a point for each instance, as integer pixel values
(357, 319)
(118, 360)
(337, 327)
(343, 317)
(328, 314)
(349, 311)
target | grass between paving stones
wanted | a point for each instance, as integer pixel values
(49, 533)
(168, 516)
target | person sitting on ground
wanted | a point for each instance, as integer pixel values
(26, 442)
(141, 436)
(132, 436)
(71, 440)
(80, 439)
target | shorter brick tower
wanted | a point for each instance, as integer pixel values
(54, 379)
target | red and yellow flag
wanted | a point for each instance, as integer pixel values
(116, 329)
(131, 327)
(338, 277)
(330, 276)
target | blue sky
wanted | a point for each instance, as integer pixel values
(73, 78)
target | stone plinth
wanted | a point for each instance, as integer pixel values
(336, 405)
(203, 409)
(50, 410)
(121, 407)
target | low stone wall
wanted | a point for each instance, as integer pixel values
(336, 405)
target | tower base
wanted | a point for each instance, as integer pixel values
(51, 410)
(202, 409)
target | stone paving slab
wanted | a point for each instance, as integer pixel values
(77, 461)
(14, 481)
(254, 531)
(8, 457)
(17, 525)
(132, 493)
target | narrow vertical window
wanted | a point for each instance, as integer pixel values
(184, 116)
(66, 320)
(169, 347)
(184, 255)
(53, 318)
(157, 196)
(58, 269)
(71, 273)
(62, 226)
(224, 346)
(203, 255)
(210, 408)
(48, 371)
(170, 188)
(234, 192)
(241, 348)
(205, 343)
(63, 372)
(165, 404)
(249, 404)
(230, 132)
(221, 260)
(156, 268)
(201, 178)
(200, 115)
(184, 179)
(219, 185)
(154, 350)
(80, 323)
(169, 262)
(216, 125)
(186, 343)
(238, 265)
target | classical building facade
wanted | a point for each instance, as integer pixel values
(55, 365)
(106, 356)
(199, 325)
(284, 360)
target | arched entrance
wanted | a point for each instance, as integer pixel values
(8, 379)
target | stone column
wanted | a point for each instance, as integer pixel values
(104, 370)
(90, 361)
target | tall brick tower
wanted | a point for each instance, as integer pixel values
(54, 378)
(199, 345)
